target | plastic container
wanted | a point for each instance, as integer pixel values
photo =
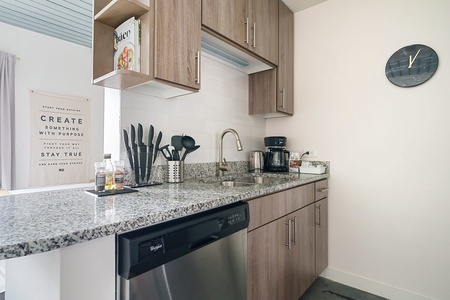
(100, 177)
(119, 174)
(109, 172)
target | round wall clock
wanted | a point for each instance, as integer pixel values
(411, 65)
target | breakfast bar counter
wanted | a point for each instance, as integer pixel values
(43, 221)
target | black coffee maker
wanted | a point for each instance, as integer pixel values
(276, 157)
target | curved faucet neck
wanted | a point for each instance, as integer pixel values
(223, 166)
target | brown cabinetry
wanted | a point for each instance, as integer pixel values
(170, 44)
(287, 242)
(271, 92)
(281, 249)
(251, 24)
(321, 223)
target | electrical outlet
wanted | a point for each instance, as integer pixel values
(312, 153)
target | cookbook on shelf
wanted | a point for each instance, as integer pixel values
(127, 46)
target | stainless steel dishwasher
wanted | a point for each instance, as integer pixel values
(202, 256)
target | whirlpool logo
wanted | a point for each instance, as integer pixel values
(156, 247)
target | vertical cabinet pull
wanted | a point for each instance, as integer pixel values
(294, 230)
(283, 92)
(197, 79)
(288, 224)
(246, 31)
(318, 214)
(254, 35)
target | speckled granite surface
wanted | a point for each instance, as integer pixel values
(43, 221)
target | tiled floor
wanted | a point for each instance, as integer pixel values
(325, 289)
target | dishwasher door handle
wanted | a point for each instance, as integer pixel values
(203, 242)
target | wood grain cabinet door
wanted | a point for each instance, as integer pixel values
(303, 258)
(321, 235)
(228, 18)
(269, 274)
(285, 70)
(177, 41)
(263, 28)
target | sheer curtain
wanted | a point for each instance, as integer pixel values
(7, 115)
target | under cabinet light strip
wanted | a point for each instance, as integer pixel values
(216, 52)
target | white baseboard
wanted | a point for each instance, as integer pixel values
(370, 286)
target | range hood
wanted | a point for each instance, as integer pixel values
(227, 54)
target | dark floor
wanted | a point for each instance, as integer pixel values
(325, 289)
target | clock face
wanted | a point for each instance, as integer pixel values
(411, 65)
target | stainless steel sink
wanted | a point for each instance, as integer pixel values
(250, 181)
(235, 183)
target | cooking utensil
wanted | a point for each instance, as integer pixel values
(176, 143)
(135, 154)
(168, 156)
(156, 151)
(142, 151)
(150, 151)
(187, 142)
(127, 147)
(190, 150)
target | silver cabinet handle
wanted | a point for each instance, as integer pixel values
(294, 230)
(288, 224)
(254, 35)
(322, 190)
(319, 214)
(283, 92)
(197, 80)
(246, 31)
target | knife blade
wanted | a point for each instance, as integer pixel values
(156, 150)
(150, 151)
(135, 154)
(140, 134)
(127, 147)
(142, 152)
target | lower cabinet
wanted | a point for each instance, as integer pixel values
(287, 252)
(321, 235)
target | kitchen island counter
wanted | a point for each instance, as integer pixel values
(42, 221)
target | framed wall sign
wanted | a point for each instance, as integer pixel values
(411, 65)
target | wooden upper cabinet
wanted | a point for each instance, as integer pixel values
(285, 70)
(271, 92)
(264, 28)
(251, 24)
(226, 18)
(170, 46)
(177, 41)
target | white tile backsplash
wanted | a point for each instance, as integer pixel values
(221, 103)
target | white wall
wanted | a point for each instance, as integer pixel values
(221, 103)
(55, 66)
(388, 146)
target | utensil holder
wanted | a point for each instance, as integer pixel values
(175, 171)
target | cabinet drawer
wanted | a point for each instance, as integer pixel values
(321, 189)
(268, 208)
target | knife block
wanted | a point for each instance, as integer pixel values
(175, 171)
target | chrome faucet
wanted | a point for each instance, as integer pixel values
(223, 166)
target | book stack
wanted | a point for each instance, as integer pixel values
(127, 46)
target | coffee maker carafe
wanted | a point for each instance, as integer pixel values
(276, 158)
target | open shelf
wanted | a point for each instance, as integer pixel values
(121, 79)
(118, 11)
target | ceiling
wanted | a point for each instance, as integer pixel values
(70, 20)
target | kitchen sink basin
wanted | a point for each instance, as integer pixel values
(251, 181)
(235, 183)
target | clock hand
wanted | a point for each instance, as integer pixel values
(412, 61)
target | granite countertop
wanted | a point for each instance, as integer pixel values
(43, 221)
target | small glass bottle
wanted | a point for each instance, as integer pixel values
(99, 176)
(109, 171)
(119, 166)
